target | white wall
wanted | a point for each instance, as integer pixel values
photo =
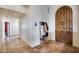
(75, 26)
(14, 27)
(28, 31)
(1, 29)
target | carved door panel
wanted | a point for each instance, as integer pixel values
(64, 24)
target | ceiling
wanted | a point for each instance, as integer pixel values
(26, 6)
(11, 13)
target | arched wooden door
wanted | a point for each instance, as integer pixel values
(64, 24)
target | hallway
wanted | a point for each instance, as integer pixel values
(28, 26)
(19, 46)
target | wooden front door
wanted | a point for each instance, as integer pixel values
(64, 26)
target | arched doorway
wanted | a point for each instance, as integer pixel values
(64, 24)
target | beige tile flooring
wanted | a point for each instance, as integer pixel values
(48, 46)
